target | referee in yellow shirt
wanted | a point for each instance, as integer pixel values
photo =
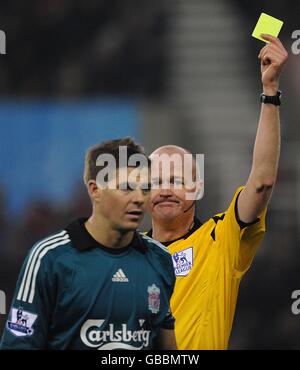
(211, 258)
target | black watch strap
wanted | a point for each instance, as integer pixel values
(275, 99)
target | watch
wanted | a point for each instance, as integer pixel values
(274, 99)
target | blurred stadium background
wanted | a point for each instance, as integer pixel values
(170, 71)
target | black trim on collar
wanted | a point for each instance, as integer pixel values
(197, 225)
(82, 240)
(216, 220)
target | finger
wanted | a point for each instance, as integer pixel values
(278, 49)
(273, 58)
(266, 60)
(262, 51)
(273, 49)
(269, 57)
(274, 53)
(273, 40)
(270, 38)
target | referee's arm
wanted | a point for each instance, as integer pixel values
(255, 196)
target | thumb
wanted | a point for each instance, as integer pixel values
(268, 37)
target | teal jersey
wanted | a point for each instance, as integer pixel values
(73, 293)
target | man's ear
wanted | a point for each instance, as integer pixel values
(93, 190)
(197, 192)
(199, 189)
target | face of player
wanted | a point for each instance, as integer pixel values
(124, 206)
(171, 199)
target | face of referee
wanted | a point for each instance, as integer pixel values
(121, 204)
(168, 200)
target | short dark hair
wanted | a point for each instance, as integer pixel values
(109, 147)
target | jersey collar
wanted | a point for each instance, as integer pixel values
(82, 240)
(197, 225)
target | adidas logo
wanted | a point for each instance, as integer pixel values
(120, 277)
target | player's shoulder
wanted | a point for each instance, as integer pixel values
(160, 258)
(154, 245)
(51, 246)
(41, 262)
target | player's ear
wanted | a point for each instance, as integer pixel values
(93, 190)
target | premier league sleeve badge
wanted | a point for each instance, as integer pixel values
(21, 322)
(183, 261)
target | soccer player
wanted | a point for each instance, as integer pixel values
(210, 259)
(98, 284)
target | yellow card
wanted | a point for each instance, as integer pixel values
(267, 24)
